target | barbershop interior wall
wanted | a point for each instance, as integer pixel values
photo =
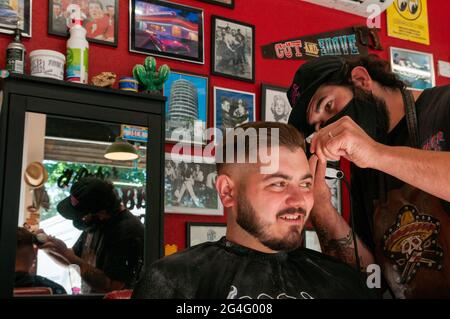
(274, 20)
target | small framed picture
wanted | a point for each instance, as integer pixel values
(232, 45)
(232, 108)
(223, 3)
(100, 19)
(311, 240)
(167, 29)
(414, 68)
(197, 233)
(190, 185)
(186, 107)
(275, 106)
(16, 13)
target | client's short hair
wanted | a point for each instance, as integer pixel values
(288, 136)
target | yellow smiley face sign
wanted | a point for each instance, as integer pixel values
(408, 20)
(409, 9)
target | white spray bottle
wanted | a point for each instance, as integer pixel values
(77, 47)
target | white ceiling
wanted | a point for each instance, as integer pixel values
(358, 7)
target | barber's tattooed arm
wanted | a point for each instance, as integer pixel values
(98, 280)
(341, 248)
(336, 238)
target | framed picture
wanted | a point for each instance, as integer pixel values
(275, 106)
(100, 19)
(311, 240)
(223, 3)
(232, 108)
(414, 68)
(233, 49)
(186, 107)
(190, 185)
(16, 13)
(167, 29)
(197, 233)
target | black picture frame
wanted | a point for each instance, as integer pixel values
(9, 17)
(220, 49)
(182, 44)
(190, 226)
(228, 4)
(268, 95)
(56, 26)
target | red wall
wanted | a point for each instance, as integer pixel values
(274, 20)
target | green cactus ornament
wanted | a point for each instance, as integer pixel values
(149, 78)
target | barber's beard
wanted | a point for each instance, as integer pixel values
(247, 219)
(369, 112)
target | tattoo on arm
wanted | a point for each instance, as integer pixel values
(341, 248)
(95, 277)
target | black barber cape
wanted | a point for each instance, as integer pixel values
(223, 269)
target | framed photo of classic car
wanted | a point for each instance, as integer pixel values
(275, 106)
(167, 29)
(186, 107)
(190, 185)
(233, 49)
(100, 19)
(223, 3)
(16, 13)
(197, 233)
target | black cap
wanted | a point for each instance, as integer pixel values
(308, 78)
(89, 195)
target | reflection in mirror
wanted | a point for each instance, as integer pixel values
(81, 222)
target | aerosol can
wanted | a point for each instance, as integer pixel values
(15, 54)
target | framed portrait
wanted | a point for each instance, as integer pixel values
(223, 3)
(190, 185)
(232, 108)
(167, 29)
(16, 13)
(100, 19)
(414, 68)
(311, 240)
(233, 49)
(275, 106)
(186, 107)
(197, 233)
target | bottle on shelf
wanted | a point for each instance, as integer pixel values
(77, 51)
(15, 54)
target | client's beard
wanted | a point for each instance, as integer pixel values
(247, 219)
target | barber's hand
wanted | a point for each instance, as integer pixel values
(58, 250)
(322, 193)
(345, 138)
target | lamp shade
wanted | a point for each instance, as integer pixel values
(121, 150)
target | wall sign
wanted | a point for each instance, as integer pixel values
(408, 20)
(352, 41)
(134, 133)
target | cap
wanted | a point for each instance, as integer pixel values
(88, 195)
(308, 78)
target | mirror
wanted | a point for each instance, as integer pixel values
(102, 226)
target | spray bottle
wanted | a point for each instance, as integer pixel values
(15, 54)
(77, 48)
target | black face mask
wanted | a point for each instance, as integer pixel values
(369, 112)
(88, 226)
